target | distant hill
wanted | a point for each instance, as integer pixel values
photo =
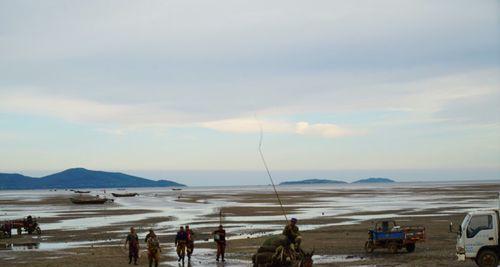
(313, 181)
(79, 178)
(374, 180)
(12, 180)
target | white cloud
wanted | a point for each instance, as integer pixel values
(88, 111)
(133, 117)
(117, 131)
(172, 63)
(61, 107)
(250, 125)
(322, 129)
(425, 100)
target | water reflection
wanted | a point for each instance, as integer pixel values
(20, 247)
(56, 245)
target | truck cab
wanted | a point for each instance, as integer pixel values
(478, 236)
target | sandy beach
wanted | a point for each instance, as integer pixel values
(334, 221)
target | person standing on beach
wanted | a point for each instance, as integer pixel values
(7, 228)
(190, 242)
(292, 234)
(220, 240)
(133, 246)
(154, 248)
(180, 243)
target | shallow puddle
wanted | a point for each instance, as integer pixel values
(323, 259)
(53, 245)
(206, 257)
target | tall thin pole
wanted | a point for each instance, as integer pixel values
(269, 173)
(220, 216)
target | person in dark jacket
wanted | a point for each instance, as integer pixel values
(220, 240)
(7, 228)
(180, 243)
(133, 246)
(292, 233)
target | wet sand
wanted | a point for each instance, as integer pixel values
(337, 238)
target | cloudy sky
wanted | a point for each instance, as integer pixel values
(406, 88)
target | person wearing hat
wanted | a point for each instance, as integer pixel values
(292, 233)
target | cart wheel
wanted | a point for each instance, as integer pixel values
(393, 248)
(38, 231)
(410, 247)
(369, 247)
(19, 231)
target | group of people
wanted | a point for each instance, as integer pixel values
(29, 223)
(153, 246)
(184, 242)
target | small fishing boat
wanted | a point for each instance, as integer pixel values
(124, 195)
(88, 201)
(81, 192)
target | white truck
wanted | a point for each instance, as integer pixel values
(478, 237)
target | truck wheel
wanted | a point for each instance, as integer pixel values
(487, 258)
(369, 247)
(410, 247)
(393, 248)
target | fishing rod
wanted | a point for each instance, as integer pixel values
(269, 173)
(220, 216)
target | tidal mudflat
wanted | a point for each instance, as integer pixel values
(333, 219)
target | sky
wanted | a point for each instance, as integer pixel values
(180, 89)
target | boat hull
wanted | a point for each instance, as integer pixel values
(88, 201)
(124, 195)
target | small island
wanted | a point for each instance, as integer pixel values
(312, 181)
(374, 180)
(328, 181)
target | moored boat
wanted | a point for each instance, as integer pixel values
(89, 201)
(124, 195)
(81, 192)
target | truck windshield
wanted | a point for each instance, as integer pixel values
(479, 223)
